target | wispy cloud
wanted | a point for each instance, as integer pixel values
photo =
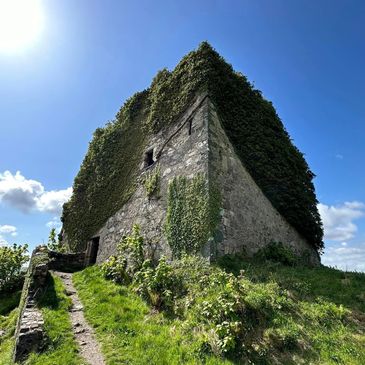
(345, 258)
(339, 156)
(3, 242)
(27, 194)
(6, 230)
(54, 223)
(338, 221)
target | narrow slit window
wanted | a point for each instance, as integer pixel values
(148, 159)
(190, 126)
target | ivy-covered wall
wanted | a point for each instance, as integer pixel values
(108, 173)
(192, 214)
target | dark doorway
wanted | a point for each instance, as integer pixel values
(94, 247)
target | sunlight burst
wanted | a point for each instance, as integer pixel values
(21, 22)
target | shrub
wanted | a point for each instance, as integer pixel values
(54, 243)
(277, 252)
(159, 285)
(129, 258)
(11, 261)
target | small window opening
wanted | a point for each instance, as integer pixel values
(148, 159)
(190, 126)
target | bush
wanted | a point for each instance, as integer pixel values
(129, 258)
(277, 252)
(158, 286)
(11, 261)
(54, 243)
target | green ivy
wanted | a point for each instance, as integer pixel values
(107, 176)
(152, 182)
(191, 215)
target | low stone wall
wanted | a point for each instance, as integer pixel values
(30, 335)
(68, 262)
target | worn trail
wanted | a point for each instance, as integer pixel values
(84, 334)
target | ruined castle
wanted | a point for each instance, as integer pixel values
(202, 163)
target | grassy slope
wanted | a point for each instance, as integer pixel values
(339, 287)
(316, 290)
(310, 328)
(61, 347)
(127, 329)
(8, 317)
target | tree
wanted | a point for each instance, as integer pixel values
(54, 243)
(12, 259)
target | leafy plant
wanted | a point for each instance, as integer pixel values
(152, 181)
(129, 258)
(54, 242)
(158, 285)
(277, 252)
(12, 258)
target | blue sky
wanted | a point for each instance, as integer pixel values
(307, 57)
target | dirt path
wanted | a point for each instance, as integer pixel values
(84, 334)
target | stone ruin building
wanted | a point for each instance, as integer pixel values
(190, 178)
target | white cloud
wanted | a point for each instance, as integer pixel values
(54, 223)
(338, 220)
(26, 194)
(52, 201)
(345, 258)
(339, 156)
(8, 229)
(3, 242)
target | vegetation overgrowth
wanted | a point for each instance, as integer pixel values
(258, 315)
(8, 318)
(107, 176)
(191, 215)
(197, 313)
(12, 258)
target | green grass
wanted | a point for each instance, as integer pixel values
(9, 301)
(61, 347)
(339, 287)
(130, 333)
(8, 318)
(292, 315)
(7, 324)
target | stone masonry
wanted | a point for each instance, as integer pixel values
(197, 144)
(30, 335)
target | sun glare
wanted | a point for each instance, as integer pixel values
(21, 22)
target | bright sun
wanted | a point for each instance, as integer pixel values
(21, 22)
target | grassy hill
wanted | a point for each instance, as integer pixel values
(238, 311)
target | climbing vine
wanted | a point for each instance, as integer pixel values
(152, 182)
(191, 218)
(108, 173)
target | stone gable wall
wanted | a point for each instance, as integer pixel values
(249, 220)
